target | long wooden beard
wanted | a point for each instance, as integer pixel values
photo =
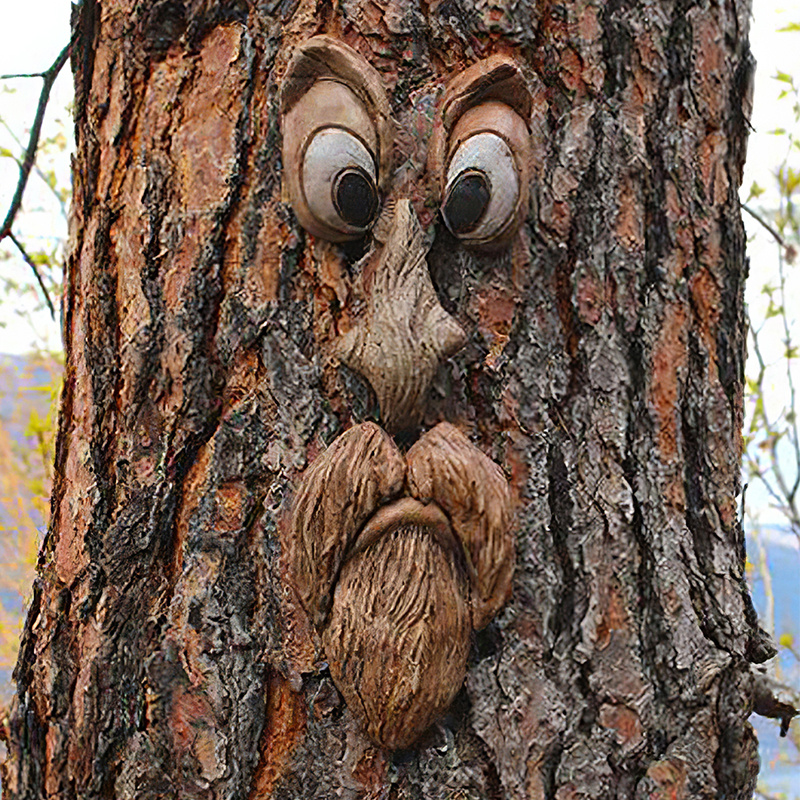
(396, 559)
(399, 632)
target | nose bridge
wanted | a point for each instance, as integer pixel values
(405, 333)
(404, 201)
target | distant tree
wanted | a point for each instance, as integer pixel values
(27, 438)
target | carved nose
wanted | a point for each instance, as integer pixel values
(405, 333)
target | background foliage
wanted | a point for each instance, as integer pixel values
(772, 430)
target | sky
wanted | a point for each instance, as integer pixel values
(774, 52)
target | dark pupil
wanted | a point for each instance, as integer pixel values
(466, 202)
(355, 197)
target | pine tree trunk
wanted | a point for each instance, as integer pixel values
(164, 653)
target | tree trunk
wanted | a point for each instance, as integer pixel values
(165, 653)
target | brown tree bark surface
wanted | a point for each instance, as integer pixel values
(164, 653)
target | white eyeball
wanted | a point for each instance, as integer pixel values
(339, 181)
(482, 188)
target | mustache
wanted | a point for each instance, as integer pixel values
(396, 559)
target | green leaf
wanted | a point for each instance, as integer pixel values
(756, 191)
(791, 180)
(792, 26)
(773, 310)
(784, 77)
(786, 640)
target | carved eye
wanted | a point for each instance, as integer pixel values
(480, 150)
(482, 188)
(337, 139)
(340, 182)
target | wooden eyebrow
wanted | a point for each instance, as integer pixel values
(497, 77)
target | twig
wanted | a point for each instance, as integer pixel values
(36, 168)
(48, 77)
(15, 75)
(758, 218)
(32, 264)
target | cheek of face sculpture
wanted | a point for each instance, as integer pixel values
(397, 557)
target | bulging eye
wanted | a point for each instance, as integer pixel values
(482, 189)
(337, 131)
(340, 182)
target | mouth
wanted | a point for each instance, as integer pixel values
(396, 559)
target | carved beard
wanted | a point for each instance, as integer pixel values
(398, 636)
(420, 552)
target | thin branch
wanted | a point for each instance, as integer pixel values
(758, 218)
(48, 77)
(32, 264)
(36, 168)
(16, 75)
(784, 496)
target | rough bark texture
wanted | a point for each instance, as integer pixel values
(164, 655)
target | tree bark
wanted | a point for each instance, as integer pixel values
(164, 653)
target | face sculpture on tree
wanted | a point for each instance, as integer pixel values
(396, 556)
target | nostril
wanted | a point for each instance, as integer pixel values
(406, 437)
(355, 250)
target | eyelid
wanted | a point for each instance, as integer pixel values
(332, 104)
(492, 116)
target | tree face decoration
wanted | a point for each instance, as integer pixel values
(397, 558)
